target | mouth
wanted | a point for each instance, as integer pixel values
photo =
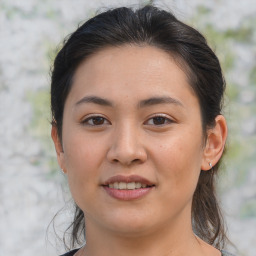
(127, 187)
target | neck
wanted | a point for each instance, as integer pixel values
(165, 241)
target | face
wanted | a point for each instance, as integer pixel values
(132, 141)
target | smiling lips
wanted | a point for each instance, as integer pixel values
(127, 187)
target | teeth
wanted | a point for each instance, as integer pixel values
(129, 186)
(138, 185)
(122, 185)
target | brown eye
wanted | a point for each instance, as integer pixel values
(95, 121)
(159, 120)
(98, 120)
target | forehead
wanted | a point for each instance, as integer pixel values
(130, 70)
(143, 57)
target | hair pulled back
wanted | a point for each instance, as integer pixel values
(152, 26)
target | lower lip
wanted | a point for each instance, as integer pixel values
(127, 194)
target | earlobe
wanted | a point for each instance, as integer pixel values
(215, 144)
(58, 147)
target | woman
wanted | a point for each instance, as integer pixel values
(136, 104)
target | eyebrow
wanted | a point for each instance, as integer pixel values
(95, 100)
(159, 100)
(144, 103)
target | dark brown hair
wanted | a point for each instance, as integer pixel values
(152, 26)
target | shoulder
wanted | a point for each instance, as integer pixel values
(70, 253)
(225, 253)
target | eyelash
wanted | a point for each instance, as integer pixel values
(93, 118)
(162, 117)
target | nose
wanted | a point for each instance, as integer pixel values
(126, 147)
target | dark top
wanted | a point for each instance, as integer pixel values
(70, 253)
(223, 253)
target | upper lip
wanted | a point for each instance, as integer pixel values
(127, 179)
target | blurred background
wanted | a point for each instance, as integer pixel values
(32, 187)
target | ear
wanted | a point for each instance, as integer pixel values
(58, 148)
(216, 139)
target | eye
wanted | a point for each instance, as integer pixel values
(159, 120)
(95, 121)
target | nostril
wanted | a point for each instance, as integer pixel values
(134, 161)
(126, 155)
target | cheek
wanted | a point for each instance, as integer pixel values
(82, 153)
(82, 156)
(178, 159)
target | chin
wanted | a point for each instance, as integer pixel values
(129, 225)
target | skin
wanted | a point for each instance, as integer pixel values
(169, 151)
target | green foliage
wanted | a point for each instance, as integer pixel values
(252, 76)
(232, 92)
(40, 102)
(3, 85)
(248, 210)
(40, 128)
(50, 52)
(148, 2)
(220, 41)
(242, 34)
(203, 10)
